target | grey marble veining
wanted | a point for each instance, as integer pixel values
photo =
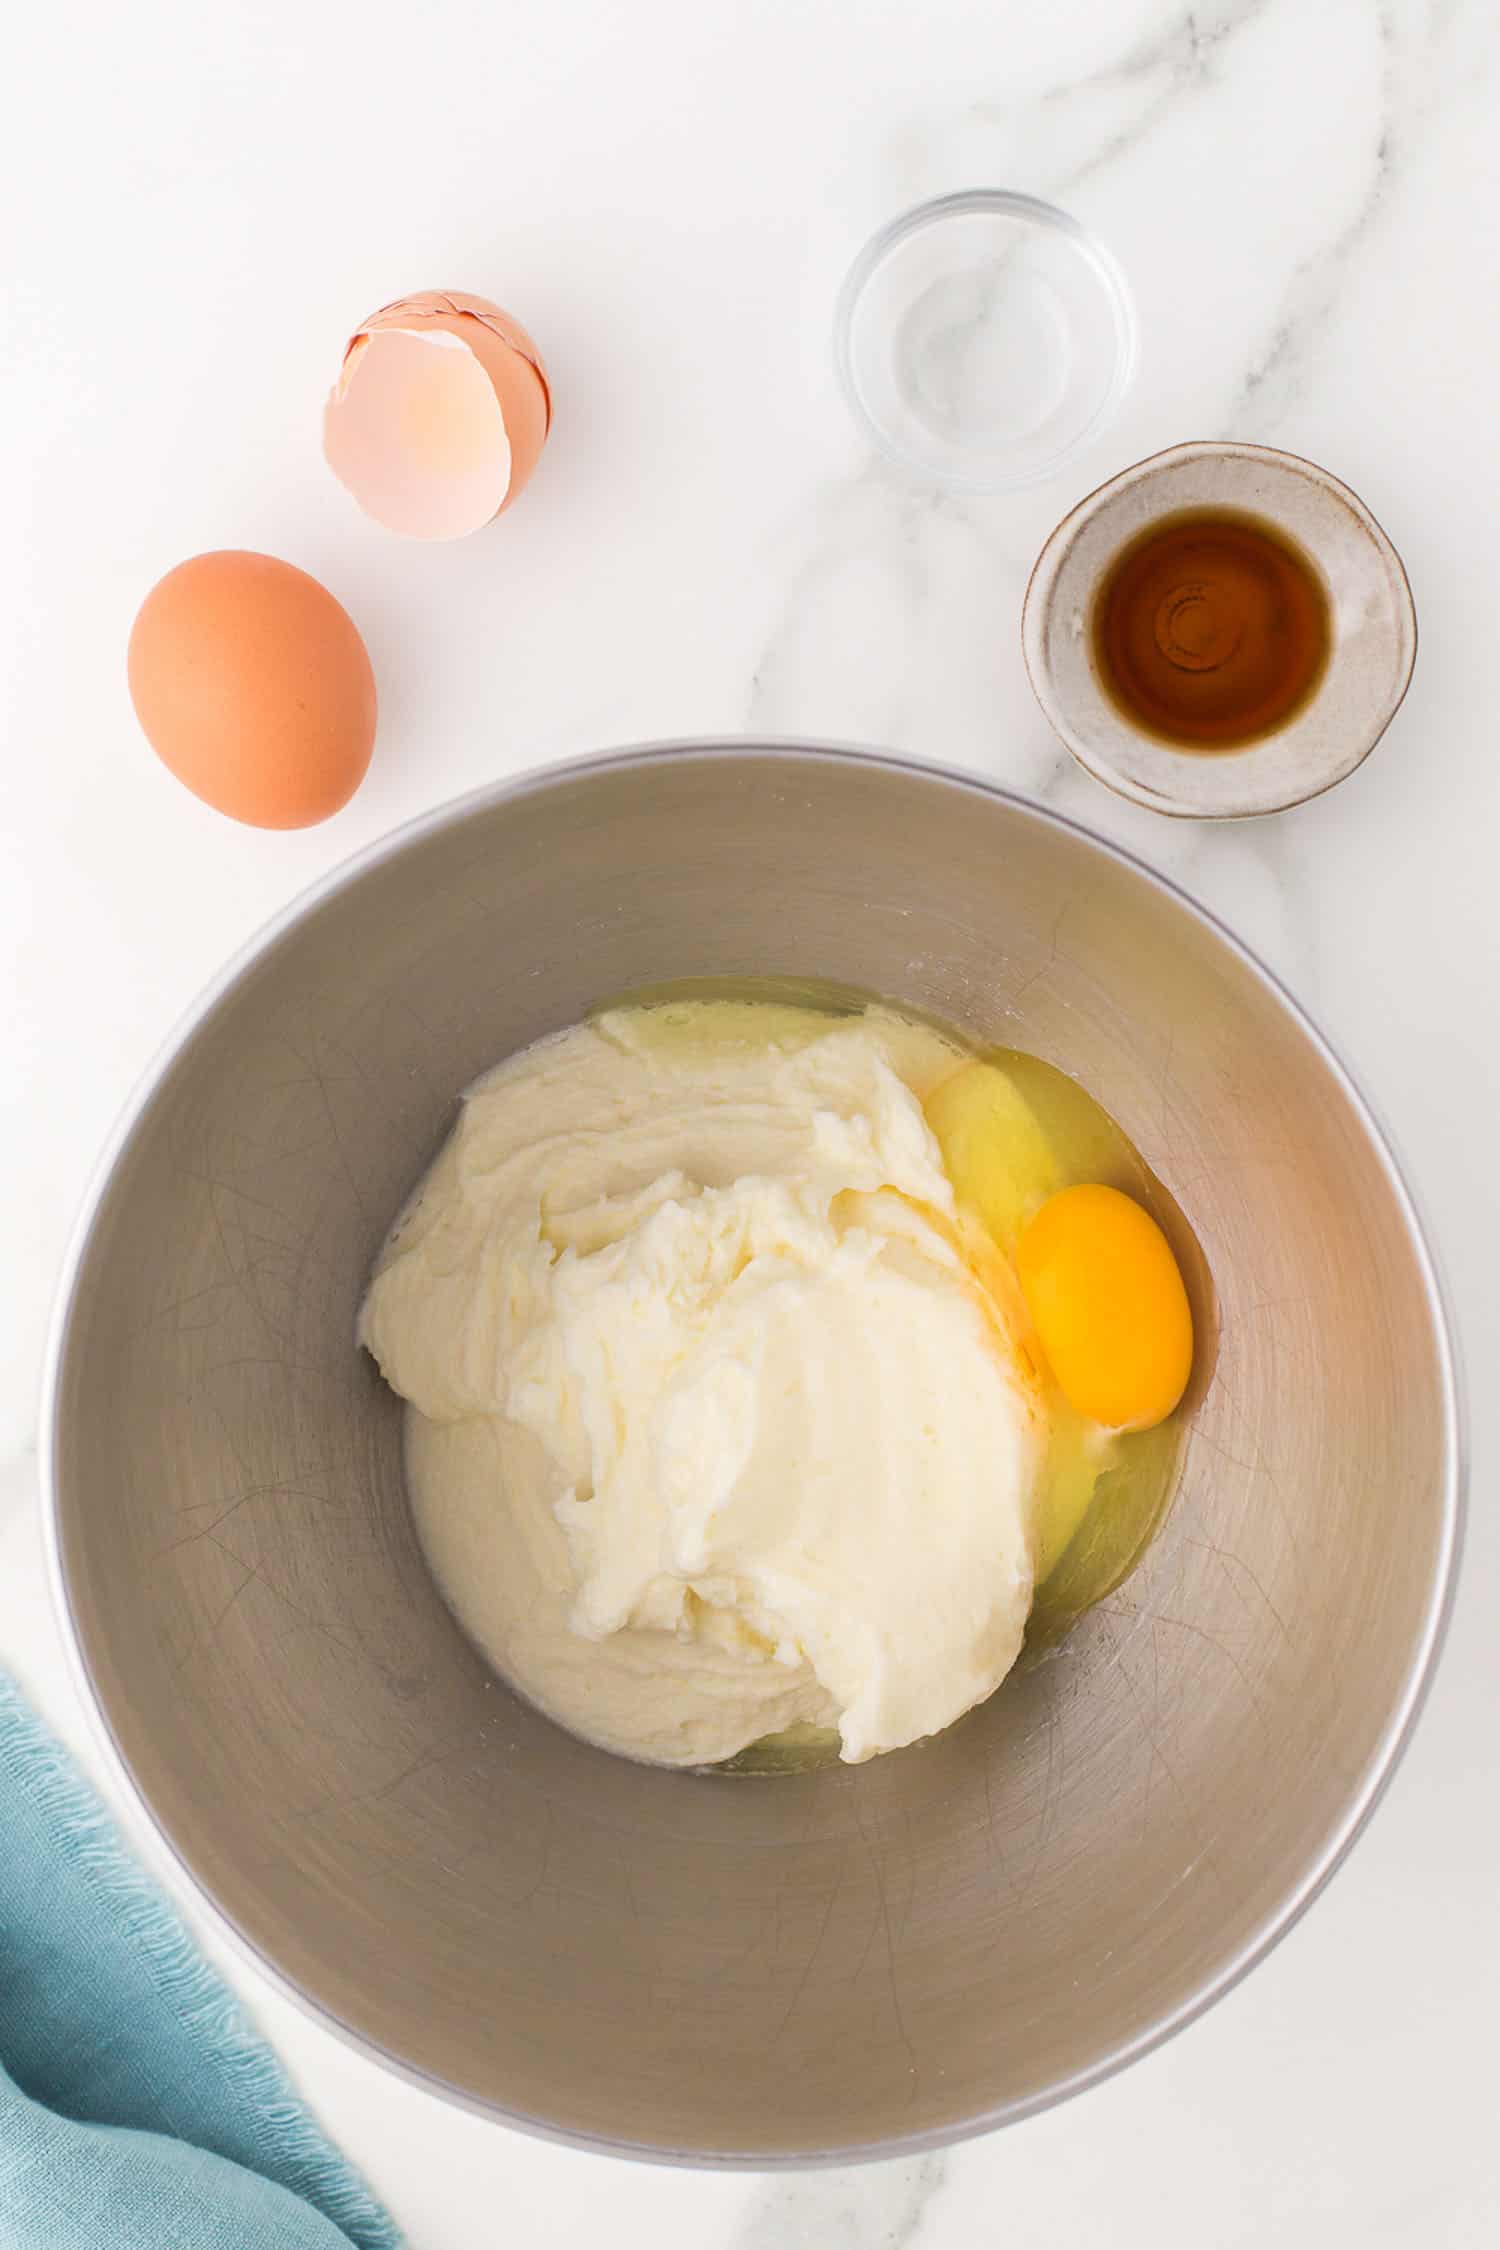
(1431, 54)
(873, 2207)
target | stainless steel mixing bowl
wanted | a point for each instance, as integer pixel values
(703, 1967)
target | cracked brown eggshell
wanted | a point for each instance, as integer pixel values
(439, 414)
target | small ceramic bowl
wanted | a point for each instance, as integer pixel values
(1374, 637)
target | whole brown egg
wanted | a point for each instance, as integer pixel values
(254, 688)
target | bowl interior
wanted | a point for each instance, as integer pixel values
(705, 1966)
(1374, 635)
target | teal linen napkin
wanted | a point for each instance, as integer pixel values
(138, 2110)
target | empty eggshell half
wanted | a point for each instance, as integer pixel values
(439, 414)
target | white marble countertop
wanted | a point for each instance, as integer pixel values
(1302, 194)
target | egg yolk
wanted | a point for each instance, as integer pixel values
(1107, 1301)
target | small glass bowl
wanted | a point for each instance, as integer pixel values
(983, 338)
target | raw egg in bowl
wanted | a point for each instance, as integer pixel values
(863, 1959)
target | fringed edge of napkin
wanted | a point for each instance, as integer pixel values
(307, 2161)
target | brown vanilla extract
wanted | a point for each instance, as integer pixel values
(1210, 629)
